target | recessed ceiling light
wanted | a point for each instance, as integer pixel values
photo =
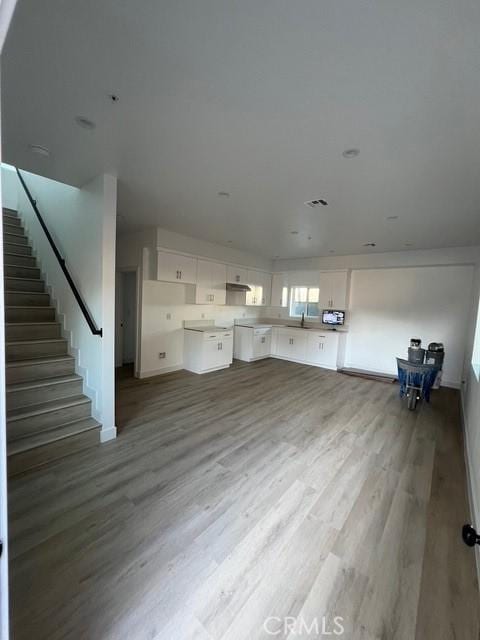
(294, 233)
(229, 241)
(223, 194)
(370, 244)
(113, 97)
(408, 244)
(309, 238)
(351, 153)
(276, 256)
(39, 150)
(332, 251)
(392, 218)
(85, 123)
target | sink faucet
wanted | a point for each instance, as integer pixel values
(302, 323)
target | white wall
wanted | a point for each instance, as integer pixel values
(390, 306)
(82, 222)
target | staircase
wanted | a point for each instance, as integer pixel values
(48, 416)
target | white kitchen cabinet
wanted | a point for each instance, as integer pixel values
(173, 267)
(322, 348)
(333, 289)
(237, 275)
(279, 297)
(206, 351)
(291, 344)
(210, 287)
(260, 284)
(252, 343)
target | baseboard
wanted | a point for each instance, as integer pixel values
(473, 498)
(108, 434)
(445, 383)
(159, 372)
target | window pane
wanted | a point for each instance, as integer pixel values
(297, 308)
(300, 294)
(314, 294)
(312, 310)
(284, 296)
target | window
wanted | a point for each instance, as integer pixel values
(305, 300)
(284, 297)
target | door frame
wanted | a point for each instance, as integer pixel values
(7, 8)
(119, 272)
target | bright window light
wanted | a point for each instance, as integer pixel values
(305, 300)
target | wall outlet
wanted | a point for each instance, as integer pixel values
(203, 316)
(243, 315)
(169, 316)
(162, 354)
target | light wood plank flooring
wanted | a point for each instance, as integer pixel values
(269, 490)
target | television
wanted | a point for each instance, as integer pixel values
(332, 316)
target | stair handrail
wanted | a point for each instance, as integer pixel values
(61, 261)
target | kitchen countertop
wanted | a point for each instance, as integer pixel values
(286, 325)
(212, 327)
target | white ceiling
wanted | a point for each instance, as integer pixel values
(259, 98)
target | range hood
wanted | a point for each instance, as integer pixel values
(237, 288)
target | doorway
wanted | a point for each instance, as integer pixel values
(126, 321)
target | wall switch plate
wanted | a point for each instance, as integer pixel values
(169, 316)
(162, 354)
(203, 316)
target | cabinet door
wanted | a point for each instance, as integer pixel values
(266, 284)
(213, 355)
(211, 279)
(279, 297)
(322, 349)
(237, 275)
(187, 267)
(333, 290)
(218, 281)
(254, 297)
(262, 345)
(299, 346)
(284, 345)
(172, 267)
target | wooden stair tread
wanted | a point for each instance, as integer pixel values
(35, 341)
(40, 360)
(43, 438)
(46, 407)
(44, 382)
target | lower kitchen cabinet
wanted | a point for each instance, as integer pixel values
(291, 344)
(206, 351)
(309, 346)
(252, 343)
(322, 348)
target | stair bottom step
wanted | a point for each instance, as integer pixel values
(42, 448)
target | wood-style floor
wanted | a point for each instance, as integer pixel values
(230, 500)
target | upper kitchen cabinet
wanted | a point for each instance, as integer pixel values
(211, 279)
(237, 275)
(279, 296)
(333, 289)
(173, 267)
(260, 284)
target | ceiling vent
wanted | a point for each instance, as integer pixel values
(320, 202)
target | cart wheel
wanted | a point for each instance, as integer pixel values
(412, 400)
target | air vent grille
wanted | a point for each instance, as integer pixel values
(319, 202)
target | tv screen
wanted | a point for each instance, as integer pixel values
(330, 316)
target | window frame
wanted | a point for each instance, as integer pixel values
(291, 301)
